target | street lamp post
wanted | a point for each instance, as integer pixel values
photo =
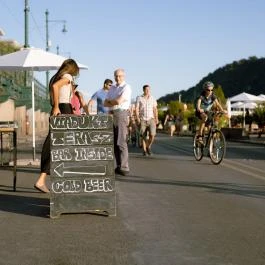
(26, 10)
(48, 43)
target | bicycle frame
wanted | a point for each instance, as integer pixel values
(214, 142)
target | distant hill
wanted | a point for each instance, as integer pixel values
(246, 75)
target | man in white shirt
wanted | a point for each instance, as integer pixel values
(147, 118)
(118, 100)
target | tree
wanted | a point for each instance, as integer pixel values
(174, 106)
(218, 91)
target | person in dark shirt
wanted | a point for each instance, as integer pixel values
(206, 101)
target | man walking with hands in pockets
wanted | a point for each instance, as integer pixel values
(147, 117)
(118, 100)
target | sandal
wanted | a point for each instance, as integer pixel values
(42, 188)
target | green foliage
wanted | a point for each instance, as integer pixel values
(245, 75)
(174, 106)
(17, 76)
(218, 91)
(259, 115)
(6, 47)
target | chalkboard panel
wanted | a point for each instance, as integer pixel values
(82, 165)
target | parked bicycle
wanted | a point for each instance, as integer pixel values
(214, 143)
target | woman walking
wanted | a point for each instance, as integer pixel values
(60, 94)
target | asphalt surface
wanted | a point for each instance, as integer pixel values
(154, 223)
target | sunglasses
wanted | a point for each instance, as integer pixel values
(208, 89)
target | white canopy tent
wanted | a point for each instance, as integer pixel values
(247, 105)
(244, 100)
(245, 97)
(32, 59)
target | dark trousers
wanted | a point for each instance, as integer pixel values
(46, 152)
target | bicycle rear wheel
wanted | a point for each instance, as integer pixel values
(197, 149)
(217, 147)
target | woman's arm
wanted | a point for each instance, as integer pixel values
(219, 106)
(198, 106)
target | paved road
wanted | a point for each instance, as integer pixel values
(170, 210)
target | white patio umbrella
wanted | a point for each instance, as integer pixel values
(245, 98)
(262, 96)
(32, 59)
(247, 105)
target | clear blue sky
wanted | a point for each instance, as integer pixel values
(169, 44)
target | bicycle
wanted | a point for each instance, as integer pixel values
(214, 142)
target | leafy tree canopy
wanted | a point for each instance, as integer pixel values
(245, 75)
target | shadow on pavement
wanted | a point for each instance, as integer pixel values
(255, 191)
(25, 205)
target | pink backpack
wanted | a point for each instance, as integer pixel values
(75, 102)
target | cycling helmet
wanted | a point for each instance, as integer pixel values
(208, 84)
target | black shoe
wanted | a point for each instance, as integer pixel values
(117, 170)
(122, 172)
(144, 153)
(149, 151)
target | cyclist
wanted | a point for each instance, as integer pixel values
(205, 102)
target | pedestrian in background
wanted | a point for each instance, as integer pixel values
(169, 123)
(60, 94)
(119, 100)
(100, 97)
(147, 118)
(179, 122)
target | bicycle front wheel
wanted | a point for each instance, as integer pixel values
(197, 149)
(217, 147)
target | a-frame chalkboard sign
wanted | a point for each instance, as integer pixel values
(82, 165)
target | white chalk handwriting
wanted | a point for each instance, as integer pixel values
(81, 138)
(82, 154)
(78, 186)
(63, 122)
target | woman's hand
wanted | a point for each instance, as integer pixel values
(55, 111)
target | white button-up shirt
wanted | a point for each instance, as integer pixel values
(146, 107)
(123, 90)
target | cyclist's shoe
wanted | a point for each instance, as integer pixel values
(199, 140)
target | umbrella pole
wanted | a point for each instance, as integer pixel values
(33, 119)
(228, 104)
(244, 115)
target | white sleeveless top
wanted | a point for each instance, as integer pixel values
(65, 92)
